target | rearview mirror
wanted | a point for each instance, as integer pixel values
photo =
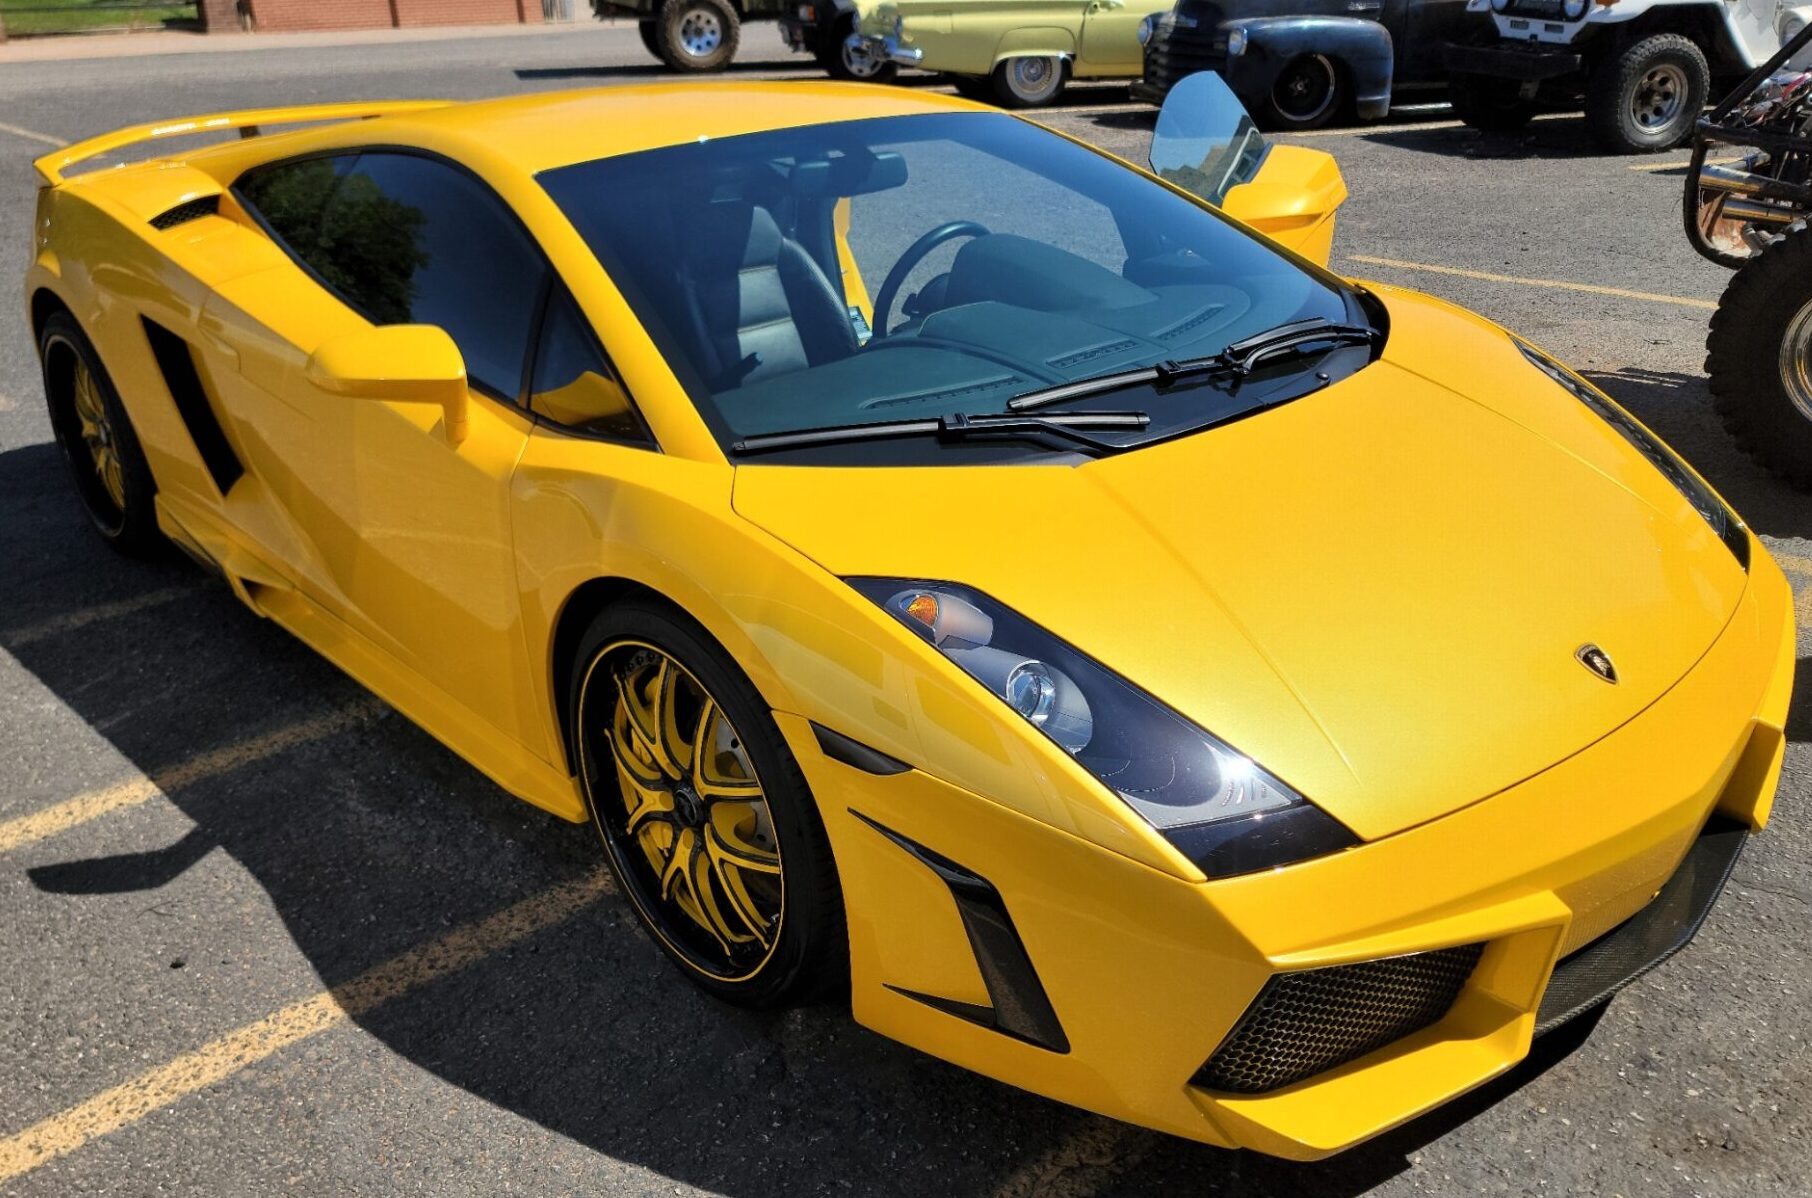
(402, 363)
(1205, 142)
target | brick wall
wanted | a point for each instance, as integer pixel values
(273, 16)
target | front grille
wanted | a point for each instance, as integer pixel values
(1310, 1021)
(1547, 10)
(1174, 54)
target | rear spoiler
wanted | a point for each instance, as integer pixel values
(250, 122)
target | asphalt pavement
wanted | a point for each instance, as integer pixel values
(259, 935)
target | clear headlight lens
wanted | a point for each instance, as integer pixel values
(1704, 500)
(1572, 10)
(1225, 812)
(1146, 27)
(1236, 41)
(1499, 5)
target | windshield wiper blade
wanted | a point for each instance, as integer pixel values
(1065, 430)
(1238, 359)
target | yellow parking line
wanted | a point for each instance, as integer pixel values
(1411, 127)
(1557, 284)
(1680, 166)
(123, 1105)
(31, 135)
(28, 829)
(71, 621)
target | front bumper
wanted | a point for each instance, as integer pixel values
(889, 48)
(1524, 62)
(1148, 974)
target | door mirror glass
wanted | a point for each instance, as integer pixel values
(402, 363)
(1205, 141)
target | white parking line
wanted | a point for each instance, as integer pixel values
(71, 621)
(46, 138)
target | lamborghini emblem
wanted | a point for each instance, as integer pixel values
(1597, 660)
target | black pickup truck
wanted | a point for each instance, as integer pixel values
(1300, 64)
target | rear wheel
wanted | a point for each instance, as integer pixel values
(840, 61)
(706, 819)
(105, 462)
(1490, 104)
(1759, 357)
(1306, 94)
(1029, 82)
(696, 35)
(1647, 97)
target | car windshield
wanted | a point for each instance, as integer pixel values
(921, 268)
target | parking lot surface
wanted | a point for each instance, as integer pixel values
(260, 935)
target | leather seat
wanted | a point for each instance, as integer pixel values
(758, 303)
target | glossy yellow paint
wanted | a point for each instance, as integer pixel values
(1423, 524)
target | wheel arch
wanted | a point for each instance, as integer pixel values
(45, 303)
(1702, 24)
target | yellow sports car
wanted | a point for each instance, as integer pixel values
(953, 567)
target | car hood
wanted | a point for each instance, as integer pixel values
(1376, 591)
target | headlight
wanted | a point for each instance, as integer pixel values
(1222, 810)
(1146, 27)
(1572, 10)
(1499, 5)
(1236, 41)
(1723, 521)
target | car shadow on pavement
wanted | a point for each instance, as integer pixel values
(377, 839)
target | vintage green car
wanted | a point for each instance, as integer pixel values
(1017, 52)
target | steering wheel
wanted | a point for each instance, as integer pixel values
(915, 253)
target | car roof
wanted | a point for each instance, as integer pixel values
(541, 131)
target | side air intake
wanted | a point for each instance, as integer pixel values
(176, 362)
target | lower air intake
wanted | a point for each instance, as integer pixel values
(1310, 1021)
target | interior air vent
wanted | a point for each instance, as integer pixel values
(186, 211)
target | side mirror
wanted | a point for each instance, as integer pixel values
(403, 363)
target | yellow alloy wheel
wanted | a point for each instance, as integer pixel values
(98, 434)
(689, 830)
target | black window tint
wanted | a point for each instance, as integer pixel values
(574, 384)
(408, 240)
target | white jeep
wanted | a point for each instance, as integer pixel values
(1644, 67)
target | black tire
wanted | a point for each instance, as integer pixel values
(1489, 104)
(808, 957)
(839, 63)
(696, 35)
(1029, 82)
(979, 88)
(649, 41)
(126, 520)
(1646, 97)
(1749, 358)
(1309, 91)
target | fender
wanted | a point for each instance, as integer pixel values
(1363, 47)
(1037, 41)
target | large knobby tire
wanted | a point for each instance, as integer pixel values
(1489, 104)
(1029, 81)
(650, 41)
(841, 62)
(1646, 97)
(1759, 357)
(696, 35)
(720, 853)
(1309, 91)
(99, 445)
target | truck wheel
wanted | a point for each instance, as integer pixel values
(696, 35)
(1647, 97)
(1306, 94)
(859, 66)
(649, 42)
(1759, 357)
(1489, 104)
(1029, 82)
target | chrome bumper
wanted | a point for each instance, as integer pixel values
(888, 48)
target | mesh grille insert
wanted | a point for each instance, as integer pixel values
(1310, 1021)
(183, 213)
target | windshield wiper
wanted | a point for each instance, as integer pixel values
(1063, 430)
(1239, 359)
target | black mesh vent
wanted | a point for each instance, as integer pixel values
(182, 214)
(1310, 1021)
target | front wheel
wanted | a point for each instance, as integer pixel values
(1646, 97)
(1306, 94)
(1759, 357)
(707, 822)
(1490, 104)
(1029, 82)
(840, 61)
(696, 35)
